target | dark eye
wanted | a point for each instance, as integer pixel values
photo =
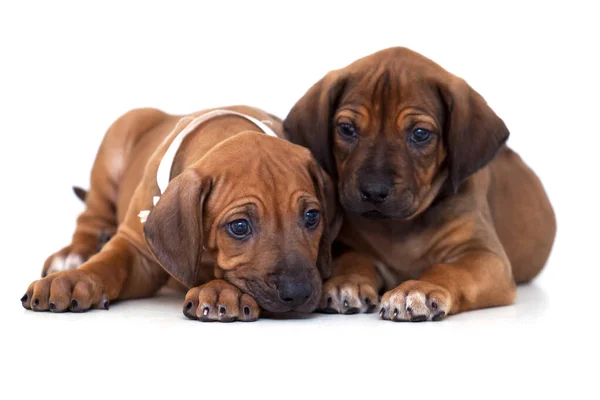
(239, 229)
(347, 130)
(420, 135)
(311, 218)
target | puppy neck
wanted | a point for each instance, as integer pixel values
(175, 158)
(165, 168)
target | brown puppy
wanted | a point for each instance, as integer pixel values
(242, 221)
(430, 213)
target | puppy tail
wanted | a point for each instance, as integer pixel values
(80, 193)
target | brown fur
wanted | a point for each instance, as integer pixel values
(225, 170)
(450, 223)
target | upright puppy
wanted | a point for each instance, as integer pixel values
(437, 208)
(237, 215)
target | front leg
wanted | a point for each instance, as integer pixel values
(220, 301)
(118, 271)
(477, 279)
(352, 287)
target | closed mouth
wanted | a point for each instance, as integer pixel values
(374, 214)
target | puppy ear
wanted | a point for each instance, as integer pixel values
(310, 121)
(174, 230)
(473, 134)
(331, 216)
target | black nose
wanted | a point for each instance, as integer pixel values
(294, 293)
(374, 192)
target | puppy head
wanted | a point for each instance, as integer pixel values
(265, 211)
(392, 128)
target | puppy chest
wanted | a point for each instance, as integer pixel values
(404, 256)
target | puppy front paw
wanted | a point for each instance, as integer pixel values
(74, 290)
(220, 301)
(348, 294)
(416, 301)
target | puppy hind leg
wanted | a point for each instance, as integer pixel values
(98, 222)
(94, 225)
(99, 219)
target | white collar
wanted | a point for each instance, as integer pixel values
(163, 173)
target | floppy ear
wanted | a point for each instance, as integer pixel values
(473, 134)
(331, 216)
(174, 230)
(310, 121)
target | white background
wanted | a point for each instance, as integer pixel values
(67, 70)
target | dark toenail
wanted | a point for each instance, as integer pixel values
(205, 311)
(52, 306)
(329, 300)
(371, 308)
(434, 305)
(367, 301)
(352, 310)
(381, 312)
(395, 312)
(36, 302)
(345, 303)
(106, 304)
(188, 306)
(24, 298)
(418, 318)
(247, 310)
(438, 316)
(222, 311)
(74, 304)
(409, 309)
